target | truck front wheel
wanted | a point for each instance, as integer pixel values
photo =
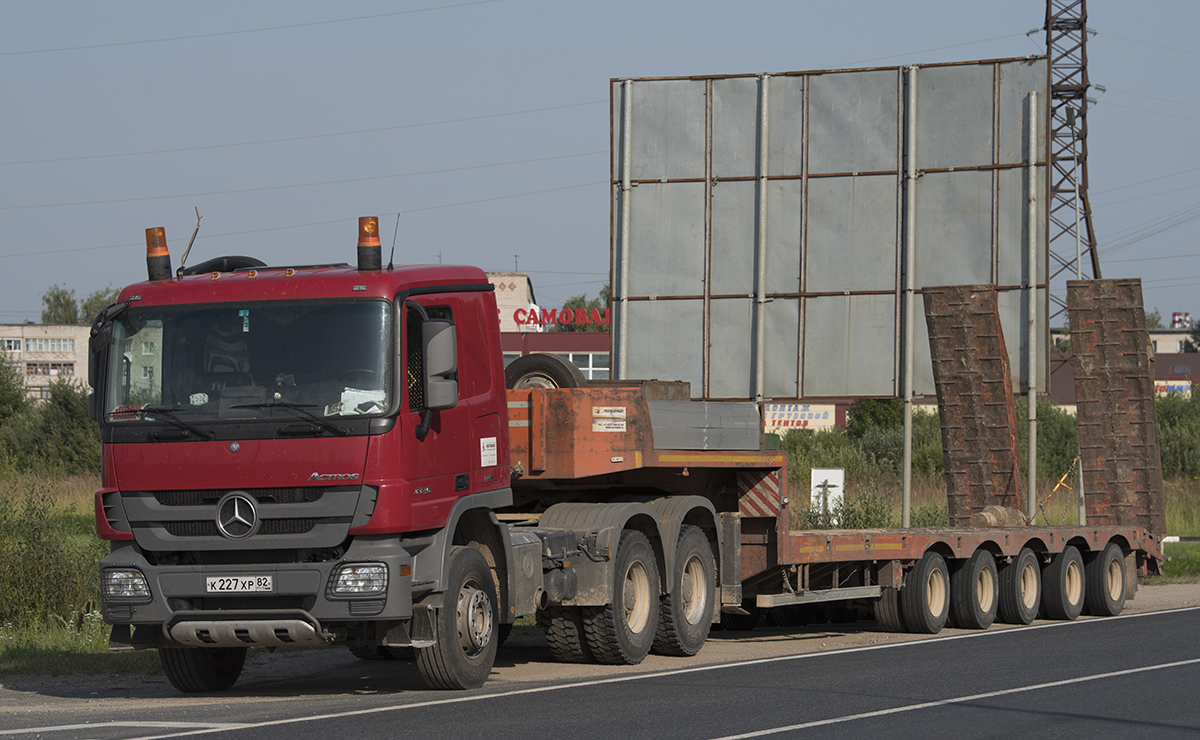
(686, 611)
(201, 670)
(465, 627)
(623, 631)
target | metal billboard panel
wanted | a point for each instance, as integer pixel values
(776, 207)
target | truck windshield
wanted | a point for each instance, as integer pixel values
(250, 361)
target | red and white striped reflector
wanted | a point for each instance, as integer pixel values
(758, 493)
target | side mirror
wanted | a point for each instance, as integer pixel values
(440, 344)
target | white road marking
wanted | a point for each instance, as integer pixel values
(101, 725)
(957, 700)
(660, 674)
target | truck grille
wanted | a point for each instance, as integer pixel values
(299, 517)
(269, 526)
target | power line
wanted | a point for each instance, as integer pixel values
(1147, 43)
(922, 51)
(244, 31)
(307, 137)
(302, 185)
(316, 223)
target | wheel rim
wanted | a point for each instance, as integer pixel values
(1029, 586)
(985, 590)
(1074, 584)
(535, 380)
(935, 592)
(637, 598)
(474, 620)
(692, 591)
(1115, 581)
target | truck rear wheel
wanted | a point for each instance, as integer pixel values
(925, 599)
(686, 610)
(465, 627)
(543, 371)
(201, 670)
(1105, 574)
(974, 591)
(622, 632)
(1020, 589)
(1062, 585)
(563, 626)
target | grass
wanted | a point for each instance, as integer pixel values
(1183, 563)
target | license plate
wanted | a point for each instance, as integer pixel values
(238, 584)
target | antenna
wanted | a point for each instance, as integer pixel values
(516, 268)
(394, 233)
(179, 272)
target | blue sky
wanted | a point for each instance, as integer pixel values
(485, 125)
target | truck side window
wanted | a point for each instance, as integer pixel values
(412, 352)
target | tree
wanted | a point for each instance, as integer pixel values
(1154, 319)
(602, 303)
(95, 303)
(874, 413)
(13, 398)
(59, 306)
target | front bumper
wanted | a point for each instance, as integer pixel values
(299, 609)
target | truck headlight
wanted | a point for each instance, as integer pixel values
(124, 583)
(359, 579)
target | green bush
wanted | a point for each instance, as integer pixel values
(868, 510)
(1179, 434)
(48, 560)
(52, 438)
(866, 414)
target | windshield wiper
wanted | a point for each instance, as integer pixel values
(169, 414)
(301, 409)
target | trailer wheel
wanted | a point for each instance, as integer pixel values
(543, 371)
(925, 599)
(1062, 585)
(685, 612)
(201, 670)
(1020, 589)
(1105, 574)
(974, 591)
(622, 632)
(887, 611)
(563, 626)
(465, 627)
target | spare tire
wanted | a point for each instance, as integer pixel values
(543, 371)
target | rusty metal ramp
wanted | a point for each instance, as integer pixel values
(1114, 395)
(974, 390)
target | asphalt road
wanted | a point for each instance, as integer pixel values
(1135, 675)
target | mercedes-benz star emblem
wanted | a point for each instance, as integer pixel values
(237, 518)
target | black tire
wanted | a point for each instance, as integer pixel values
(563, 626)
(543, 371)
(686, 611)
(1063, 585)
(1020, 589)
(925, 598)
(1105, 575)
(790, 617)
(201, 670)
(733, 622)
(887, 611)
(623, 632)
(974, 591)
(465, 627)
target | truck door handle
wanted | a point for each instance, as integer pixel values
(462, 481)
